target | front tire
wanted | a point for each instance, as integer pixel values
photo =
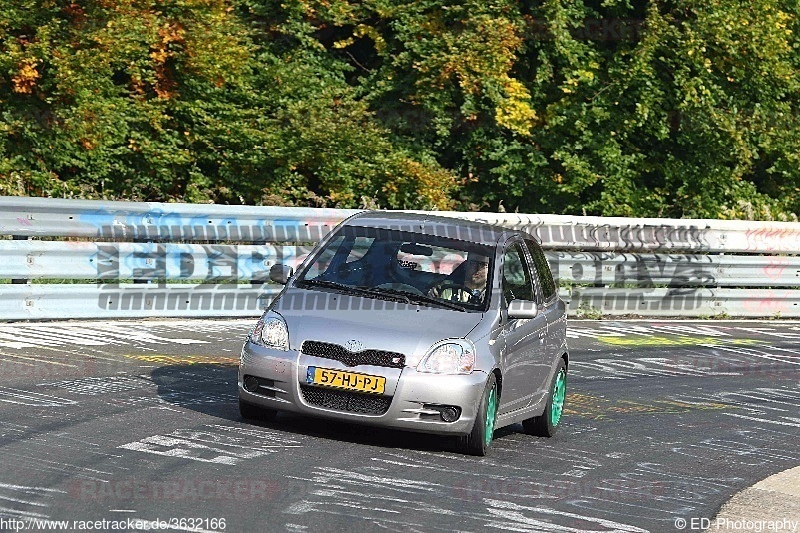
(478, 440)
(547, 424)
(254, 412)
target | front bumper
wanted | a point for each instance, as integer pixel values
(409, 401)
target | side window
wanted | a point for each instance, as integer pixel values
(516, 275)
(542, 269)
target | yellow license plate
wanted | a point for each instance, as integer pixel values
(339, 379)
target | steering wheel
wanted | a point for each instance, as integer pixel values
(450, 284)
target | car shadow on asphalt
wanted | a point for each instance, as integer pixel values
(211, 389)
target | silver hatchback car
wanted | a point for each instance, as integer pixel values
(414, 322)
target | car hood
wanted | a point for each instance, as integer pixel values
(376, 324)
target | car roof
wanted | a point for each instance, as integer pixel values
(429, 224)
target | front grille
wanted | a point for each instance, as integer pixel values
(352, 402)
(343, 355)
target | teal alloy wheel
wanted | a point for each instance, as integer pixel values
(547, 423)
(491, 415)
(559, 393)
(478, 440)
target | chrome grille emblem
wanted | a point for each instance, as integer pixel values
(354, 346)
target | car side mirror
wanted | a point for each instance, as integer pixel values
(280, 273)
(522, 309)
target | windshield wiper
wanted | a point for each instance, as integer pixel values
(436, 301)
(357, 289)
(391, 292)
(384, 292)
(327, 284)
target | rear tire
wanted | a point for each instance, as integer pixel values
(478, 440)
(254, 412)
(547, 424)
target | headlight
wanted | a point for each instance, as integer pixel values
(271, 331)
(453, 356)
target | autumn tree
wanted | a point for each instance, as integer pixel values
(612, 107)
(189, 100)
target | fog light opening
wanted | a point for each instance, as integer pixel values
(450, 414)
(250, 383)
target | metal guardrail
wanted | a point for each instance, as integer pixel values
(202, 222)
(670, 270)
(36, 259)
(54, 217)
(50, 301)
(691, 302)
(610, 266)
(59, 260)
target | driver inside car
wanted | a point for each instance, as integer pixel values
(473, 286)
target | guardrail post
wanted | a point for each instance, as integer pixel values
(155, 265)
(135, 279)
(20, 281)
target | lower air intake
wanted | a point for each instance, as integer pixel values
(351, 402)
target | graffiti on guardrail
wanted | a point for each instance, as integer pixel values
(576, 236)
(218, 262)
(209, 263)
(591, 234)
(608, 283)
(613, 265)
(626, 237)
(157, 225)
(773, 239)
(137, 220)
(637, 269)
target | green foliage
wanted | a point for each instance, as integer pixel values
(92, 94)
(615, 108)
(185, 101)
(680, 119)
(587, 311)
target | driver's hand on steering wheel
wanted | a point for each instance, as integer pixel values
(454, 292)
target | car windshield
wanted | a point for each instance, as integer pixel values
(399, 264)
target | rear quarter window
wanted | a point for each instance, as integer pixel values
(543, 272)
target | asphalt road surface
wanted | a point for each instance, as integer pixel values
(135, 422)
